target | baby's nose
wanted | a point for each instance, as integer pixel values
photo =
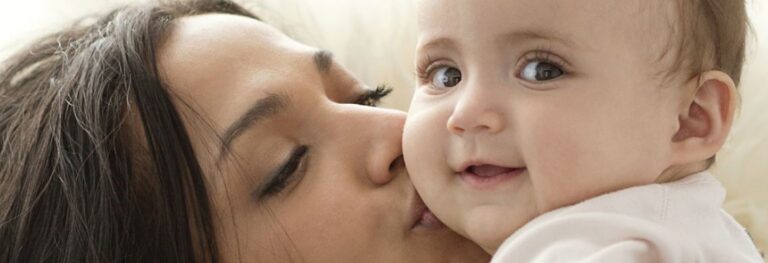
(472, 115)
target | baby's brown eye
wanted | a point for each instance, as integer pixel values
(540, 71)
(446, 77)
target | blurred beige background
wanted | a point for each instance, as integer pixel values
(375, 39)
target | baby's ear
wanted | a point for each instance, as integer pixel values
(705, 119)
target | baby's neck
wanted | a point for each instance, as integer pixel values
(675, 173)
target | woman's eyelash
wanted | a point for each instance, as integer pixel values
(285, 174)
(374, 96)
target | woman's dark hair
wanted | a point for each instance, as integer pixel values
(95, 163)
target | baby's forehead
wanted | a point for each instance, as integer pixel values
(645, 26)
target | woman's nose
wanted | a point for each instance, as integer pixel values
(475, 112)
(385, 158)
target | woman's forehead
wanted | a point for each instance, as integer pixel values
(217, 52)
(204, 48)
(227, 31)
(221, 64)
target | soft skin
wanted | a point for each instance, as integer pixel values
(611, 120)
(349, 198)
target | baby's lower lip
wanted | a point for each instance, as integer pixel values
(487, 177)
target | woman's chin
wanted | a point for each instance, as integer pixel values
(435, 242)
(447, 246)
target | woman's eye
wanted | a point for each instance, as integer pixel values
(446, 77)
(540, 71)
(288, 172)
(373, 97)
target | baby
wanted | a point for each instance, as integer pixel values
(549, 130)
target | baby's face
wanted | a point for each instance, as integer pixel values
(529, 105)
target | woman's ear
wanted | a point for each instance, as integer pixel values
(705, 119)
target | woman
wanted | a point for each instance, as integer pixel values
(193, 132)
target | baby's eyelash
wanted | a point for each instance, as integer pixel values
(374, 96)
(424, 72)
(425, 66)
(544, 54)
(422, 67)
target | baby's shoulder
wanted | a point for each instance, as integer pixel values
(674, 222)
(694, 195)
(595, 237)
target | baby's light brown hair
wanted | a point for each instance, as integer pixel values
(711, 35)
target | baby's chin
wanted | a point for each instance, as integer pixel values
(490, 225)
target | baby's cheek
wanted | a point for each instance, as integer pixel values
(422, 143)
(424, 140)
(566, 160)
(425, 136)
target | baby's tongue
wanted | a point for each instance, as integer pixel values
(489, 170)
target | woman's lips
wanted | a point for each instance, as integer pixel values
(423, 218)
(428, 220)
(486, 176)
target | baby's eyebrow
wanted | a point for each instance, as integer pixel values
(438, 43)
(528, 35)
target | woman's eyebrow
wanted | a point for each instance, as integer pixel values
(267, 107)
(323, 60)
(262, 109)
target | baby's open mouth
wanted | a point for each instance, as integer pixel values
(486, 176)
